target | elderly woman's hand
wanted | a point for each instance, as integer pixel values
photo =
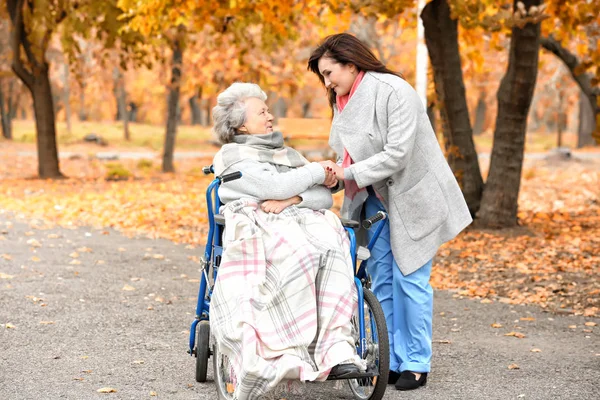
(277, 206)
(338, 172)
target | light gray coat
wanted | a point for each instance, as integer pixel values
(386, 130)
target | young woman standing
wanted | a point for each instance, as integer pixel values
(389, 159)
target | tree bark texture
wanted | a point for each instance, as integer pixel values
(500, 197)
(172, 108)
(441, 37)
(34, 74)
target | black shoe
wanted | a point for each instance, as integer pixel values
(393, 377)
(341, 370)
(409, 381)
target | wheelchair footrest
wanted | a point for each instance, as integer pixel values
(369, 373)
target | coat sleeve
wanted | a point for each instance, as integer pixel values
(261, 181)
(402, 108)
(316, 198)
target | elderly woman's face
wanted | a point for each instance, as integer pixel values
(338, 77)
(258, 118)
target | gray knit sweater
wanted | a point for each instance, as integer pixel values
(266, 181)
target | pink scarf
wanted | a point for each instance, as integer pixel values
(350, 186)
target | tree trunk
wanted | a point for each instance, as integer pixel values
(172, 107)
(306, 113)
(83, 114)
(499, 201)
(587, 122)
(14, 94)
(480, 113)
(121, 97)
(4, 117)
(441, 36)
(195, 110)
(48, 163)
(67, 95)
(34, 74)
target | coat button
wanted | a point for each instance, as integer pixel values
(389, 182)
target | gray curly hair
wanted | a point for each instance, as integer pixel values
(230, 112)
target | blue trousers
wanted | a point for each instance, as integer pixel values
(407, 301)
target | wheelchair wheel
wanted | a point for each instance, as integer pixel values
(377, 350)
(224, 376)
(202, 350)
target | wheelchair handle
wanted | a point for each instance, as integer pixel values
(208, 170)
(367, 223)
(231, 177)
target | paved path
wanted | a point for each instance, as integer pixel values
(118, 316)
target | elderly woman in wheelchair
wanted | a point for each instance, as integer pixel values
(285, 295)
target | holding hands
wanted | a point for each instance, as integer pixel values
(333, 173)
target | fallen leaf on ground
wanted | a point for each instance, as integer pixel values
(75, 262)
(536, 350)
(9, 326)
(515, 334)
(496, 325)
(7, 256)
(572, 326)
(527, 319)
(5, 276)
(153, 394)
(84, 250)
(106, 390)
(589, 323)
(34, 243)
(47, 322)
(513, 366)
(36, 259)
(128, 288)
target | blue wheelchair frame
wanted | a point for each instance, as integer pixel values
(214, 249)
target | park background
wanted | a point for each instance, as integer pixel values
(116, 97)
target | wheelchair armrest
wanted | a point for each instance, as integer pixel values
(349, 223)
(220, 219)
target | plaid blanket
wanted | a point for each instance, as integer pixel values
(284, 296)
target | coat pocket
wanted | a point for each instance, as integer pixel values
(422, 208)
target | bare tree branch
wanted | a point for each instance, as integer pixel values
(583, 79)
(15, 9)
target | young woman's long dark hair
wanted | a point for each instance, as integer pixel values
(345, 49)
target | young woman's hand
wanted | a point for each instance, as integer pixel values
(330, 179)
(277, 206)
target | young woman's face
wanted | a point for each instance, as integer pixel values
(258, 118)
(337, 77)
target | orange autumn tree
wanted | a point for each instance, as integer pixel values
(33, 27)
(249, 26)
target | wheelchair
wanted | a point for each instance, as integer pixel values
(368, 322)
